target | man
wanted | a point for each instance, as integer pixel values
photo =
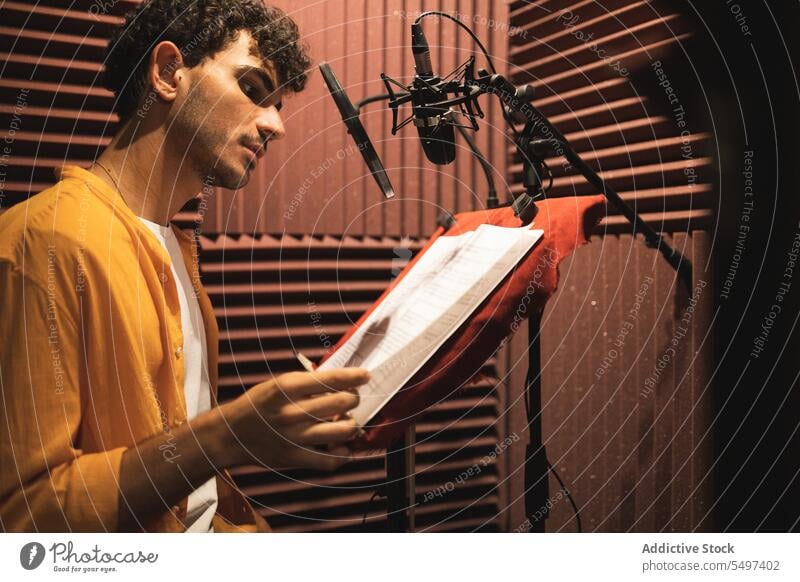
(109, 352)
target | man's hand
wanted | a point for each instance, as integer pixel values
(282, 422)
(277, 423)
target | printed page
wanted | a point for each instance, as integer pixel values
(427, 306)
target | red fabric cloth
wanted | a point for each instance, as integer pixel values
(567, 224)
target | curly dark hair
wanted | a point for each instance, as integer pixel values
(200, 29)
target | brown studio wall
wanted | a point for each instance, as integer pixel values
(628, 406)
(631, 441)
(627, 402)
(608, 108)
(53, 55)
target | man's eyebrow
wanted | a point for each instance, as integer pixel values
(269, 84)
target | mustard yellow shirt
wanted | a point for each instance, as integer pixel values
(90, 358)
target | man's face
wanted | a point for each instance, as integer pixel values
(228, 113)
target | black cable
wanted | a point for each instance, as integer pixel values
(569, 496)
(549, 171)
(491, 197)
(378, 491)
(465, 27)
(375, 98)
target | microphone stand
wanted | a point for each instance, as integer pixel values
(539, 140)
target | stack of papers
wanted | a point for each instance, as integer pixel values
(426, 307)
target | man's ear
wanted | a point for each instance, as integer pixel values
(165, 70)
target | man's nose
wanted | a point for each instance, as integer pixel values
(270, 124)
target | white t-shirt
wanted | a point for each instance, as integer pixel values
(196, 386)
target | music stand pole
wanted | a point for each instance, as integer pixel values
(401, 484)
(537, 489)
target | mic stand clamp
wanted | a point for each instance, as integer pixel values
(532, 156)
(525, 204)
(541, 139)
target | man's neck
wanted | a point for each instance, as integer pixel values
(153, 178)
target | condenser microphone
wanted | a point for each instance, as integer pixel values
(433, 123)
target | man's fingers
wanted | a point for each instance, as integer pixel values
(321, 407)
(322, 433)
(298, 385)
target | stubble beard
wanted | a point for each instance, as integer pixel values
(205, 144)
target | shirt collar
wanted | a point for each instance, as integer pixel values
(112, 197)
(107, 193)
(97, 184)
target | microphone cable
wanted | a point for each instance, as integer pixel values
(569, 496)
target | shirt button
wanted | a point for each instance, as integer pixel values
(178, 351)
(163, 277)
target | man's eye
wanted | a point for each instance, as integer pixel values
(251, 92)
(257, 94)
